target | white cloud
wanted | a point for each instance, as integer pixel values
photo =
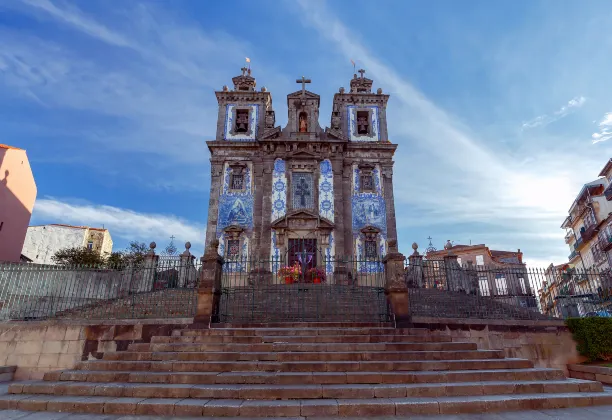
(447, 174)
(605, 129)
(121, 223)
(565, 110)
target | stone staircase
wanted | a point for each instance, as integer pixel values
(305, 370)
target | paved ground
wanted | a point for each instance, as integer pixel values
(590, 413)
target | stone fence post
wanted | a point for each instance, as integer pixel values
(395, 285)
(415, 278)
(146, 282)
(209, 285)
(187, 274)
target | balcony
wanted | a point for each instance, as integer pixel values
(605, 239)
(579, 242)
(588, 234)
(573, 255)
(608, 192)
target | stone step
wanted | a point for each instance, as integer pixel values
(315, 377)
(301, 325)
(296, 392)
(302, 347)
(355, 356)
(241, 332)
(291, 408)
(268, 366)
(216, 339)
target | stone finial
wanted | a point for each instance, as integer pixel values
(187, 245)
(341, 90)
(225, 88)
(152, 247)
(448, 245)
(379, 91)
(214, 245)
(415, 247)
(186, 252)
(264, 89)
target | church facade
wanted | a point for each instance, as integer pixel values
(276, 190)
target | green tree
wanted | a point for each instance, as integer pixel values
(78, 256)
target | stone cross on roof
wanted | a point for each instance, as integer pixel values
(361, 71)
(303, 81)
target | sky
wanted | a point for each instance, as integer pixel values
(502, 110)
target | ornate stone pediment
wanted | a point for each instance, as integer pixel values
(303, 219)
(303, 154)
(272, 133)
(333, 133)
(307, 95)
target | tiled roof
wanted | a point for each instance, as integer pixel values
(6, 146)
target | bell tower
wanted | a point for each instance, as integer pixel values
(360, 115)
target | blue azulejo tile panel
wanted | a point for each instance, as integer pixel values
(377, 180)
(235, 210)
(326, 190)
(330, 252)
(230, 133)
(373, 120)
(275, 254)
(279, 190)
(369, 210)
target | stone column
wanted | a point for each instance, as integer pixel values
(187, 275)
(347, 217)
(209, 285)
(339, 216)
(258, 196)
(453, 271)
(216, 181)
(387, 174)
(265, 239)
(415, 278)
(395, 286)
(145, 283)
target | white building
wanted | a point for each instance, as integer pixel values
(42, 242)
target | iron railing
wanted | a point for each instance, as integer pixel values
(512, 291)
(312, 288)
(155, 289)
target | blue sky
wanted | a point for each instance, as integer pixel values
(500, 109)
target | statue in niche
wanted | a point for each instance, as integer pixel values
(303, 122)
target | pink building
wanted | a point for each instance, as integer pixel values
(17, 196)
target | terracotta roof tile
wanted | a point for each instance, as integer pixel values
(6, 146)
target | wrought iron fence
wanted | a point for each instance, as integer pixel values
(443, 288)
(303, 289)
(152, 289)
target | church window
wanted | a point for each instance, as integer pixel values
(242, 121)
(367, 182)
(233, 248)
(90, 245)
(237, 182)
(370, 248)
(302, 188)
(363, 123)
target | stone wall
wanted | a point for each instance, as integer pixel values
(29, 291)
(549, 344)
(39, 347)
